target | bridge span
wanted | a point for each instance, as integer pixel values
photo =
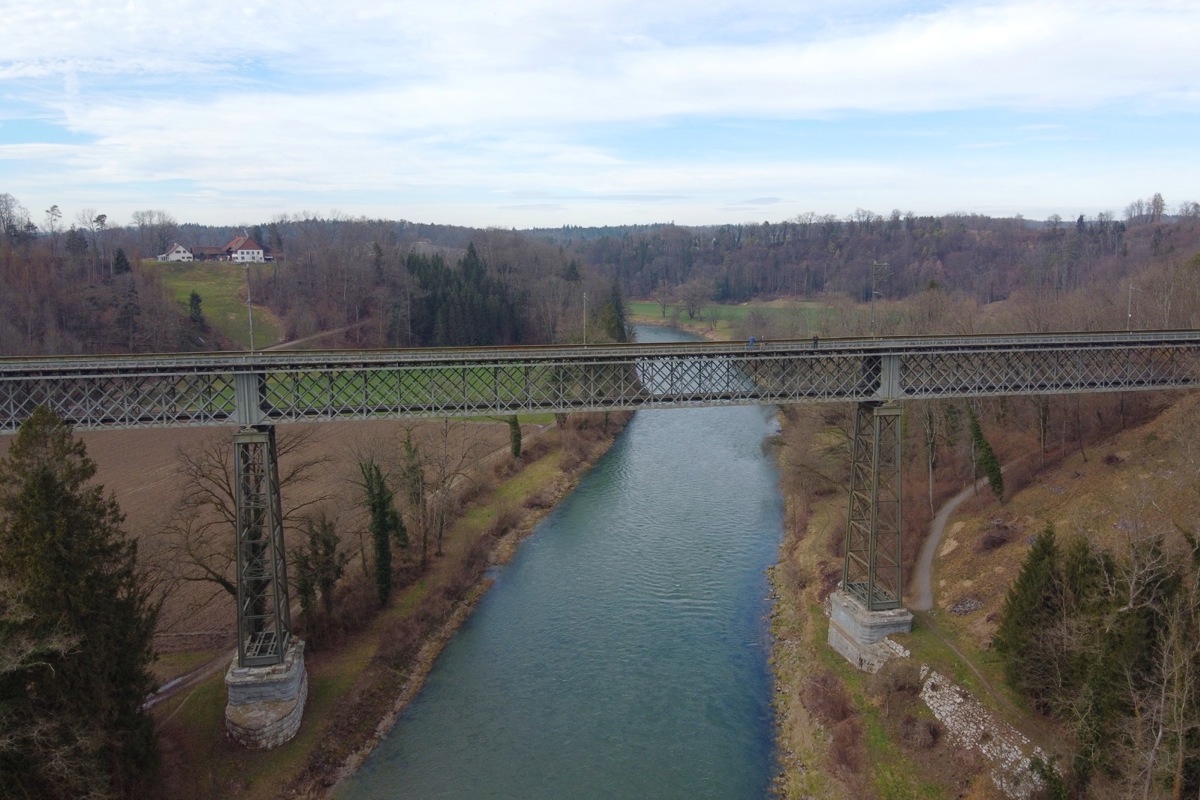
(94, 392)
(254, 392)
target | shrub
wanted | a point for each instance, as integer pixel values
(506, 519)
(400, 641)
(532, 452)
(825, 697)
(994, 540)
(922, 734)
(539, 501)
(845, 751)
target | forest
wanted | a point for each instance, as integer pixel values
(89, 287)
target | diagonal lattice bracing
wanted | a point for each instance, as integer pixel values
(1057, 370)
(217, 389)
(264, 615)
(871, 570)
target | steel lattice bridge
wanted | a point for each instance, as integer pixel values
(256, 391)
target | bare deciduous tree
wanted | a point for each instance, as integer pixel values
(156, 230)
(198, 537)
(434, 472)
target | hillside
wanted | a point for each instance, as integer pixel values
(222, 291)
(1114, 493)
(845, 733)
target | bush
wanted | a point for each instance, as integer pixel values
(922, 734)
(507, 466)
(793, 578)
(994, 540)
(845, 751)
(540, 501)
(436, 608)
(898, 676)
(532, 452)
(399, 643)
(506, 519)
(357, 604)
(826, 699)
(480, 484)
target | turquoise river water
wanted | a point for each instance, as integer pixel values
(623, 652)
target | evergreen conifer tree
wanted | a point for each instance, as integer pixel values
(1033, 601)
(985, 458)
(68, 564)
(120, 263)
(385, 524)
(612, 315)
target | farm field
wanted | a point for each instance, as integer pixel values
(139, 468)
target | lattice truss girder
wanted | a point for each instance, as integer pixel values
(1039, 371)
(263, 612)
(270, 388)
(871, 570)
(122, 401)
(436, 390)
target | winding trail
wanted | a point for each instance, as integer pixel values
(922, 580)
(921, 603)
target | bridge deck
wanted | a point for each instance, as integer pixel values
(276, 387)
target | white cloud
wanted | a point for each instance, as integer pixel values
(384, 99)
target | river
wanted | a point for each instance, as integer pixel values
(623, 652)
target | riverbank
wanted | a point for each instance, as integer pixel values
(623, 653)
(936, 723)
(359, 682)
(538, 491)
(841, 732)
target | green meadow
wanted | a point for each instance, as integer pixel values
(222, 290)
(795, 317)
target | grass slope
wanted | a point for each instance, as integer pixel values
(221, 288)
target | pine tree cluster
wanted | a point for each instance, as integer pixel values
(1108, 645)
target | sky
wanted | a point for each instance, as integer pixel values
(544, 113)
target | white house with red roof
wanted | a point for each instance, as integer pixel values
(244, 250)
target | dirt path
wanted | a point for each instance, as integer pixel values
(922, 579)
(315, 337)
(187, 681)
(922, 604)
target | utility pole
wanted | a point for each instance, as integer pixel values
(249, 306)
(1129, 307)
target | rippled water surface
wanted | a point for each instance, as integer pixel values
(623, 652)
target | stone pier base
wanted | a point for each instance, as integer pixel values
(861, 635)
(266, 704)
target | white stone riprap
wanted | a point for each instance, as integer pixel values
(969, 725)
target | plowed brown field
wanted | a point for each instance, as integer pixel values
(140, 468)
